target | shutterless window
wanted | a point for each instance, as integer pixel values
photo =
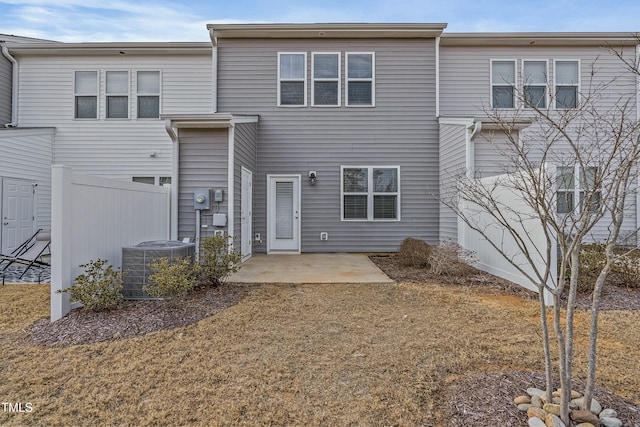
(326, 79)
(370, 193)
(573, 188)
(161, 180)
(117, 94)
(360, 79)
(292, 80)
(535, 83)
(86, 95)
(503, 80)
(566, 84)
(148, 94)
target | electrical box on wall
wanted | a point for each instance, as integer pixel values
(202, 198)
(217, 196)
(219, 220)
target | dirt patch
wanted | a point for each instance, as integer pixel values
(134, 318)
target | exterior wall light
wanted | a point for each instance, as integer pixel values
(312, 177)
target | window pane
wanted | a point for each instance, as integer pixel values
(565, 201)
(144, 179)
(355, 180)
(566, 97)
(325, 93)
(292, 66)
(385, 207)
(86, 82)
(590, 175)
(149, 82)
(566, 72)
(325, 66)
(565, 180)
(594, 206)
(502, 97)
(86, 107)
(117, 82)
(360, 93)
(355, 207)
(284, 210)
(292, 93)
(360, 66)
(535, 72)
(164, 180)
(535, 96)
(385, 180)
(503, 72)
(148, 107)
(117, 107)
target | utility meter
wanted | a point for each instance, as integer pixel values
(202, 198)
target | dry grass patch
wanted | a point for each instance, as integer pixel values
(294, 355)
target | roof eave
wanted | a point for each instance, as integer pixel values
(118, 49)
(541, 39)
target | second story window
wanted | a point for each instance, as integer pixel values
(566, 84)
(535, 83)
(503, 80)
(574, 184)
(292, 80)
(148, 94)
(360, 73)
(86, 95)
(117, 94)
(326, 79)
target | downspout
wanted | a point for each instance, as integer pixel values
(214, 70)
(437, 76)
(175, 159)
(471, 135)
(14, 88)
(231, 183)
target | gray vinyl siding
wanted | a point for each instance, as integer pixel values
(112, 148)
(401, 130)
(490, 152)
(27, 154)
(452, 165)
(6, 73)
(203, 164)
(245, 156)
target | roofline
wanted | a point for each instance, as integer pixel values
(325, 31)
(138, 48)
(541, 39)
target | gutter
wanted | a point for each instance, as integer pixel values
(214, 70)
(14, 88)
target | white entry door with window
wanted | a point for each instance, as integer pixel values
(246, 217)
(283, 213)
(17, 213)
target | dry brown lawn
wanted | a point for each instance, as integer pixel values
(369, 355)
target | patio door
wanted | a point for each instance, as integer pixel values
(246, 217)
(283, 213)
(17, 213)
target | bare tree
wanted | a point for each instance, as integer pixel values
(573, 169)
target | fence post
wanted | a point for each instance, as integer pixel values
(61, 223)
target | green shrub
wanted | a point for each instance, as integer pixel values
(625, 270)
(218, 260)
(98, 288)
(414, 253)
(170, 279)
(446, 260)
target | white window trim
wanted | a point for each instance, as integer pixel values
(304, 104)
(127, 94)
(577, 189)
(314, 79)
(159, 95)
(545, 85)
(578, 85)
(372, 79)
(369, 193)
(156, 178)
(97, 95)
(515, 83)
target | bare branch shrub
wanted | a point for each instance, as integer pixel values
(414, 253)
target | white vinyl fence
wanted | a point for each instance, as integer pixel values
(94, 218)
(522, 219)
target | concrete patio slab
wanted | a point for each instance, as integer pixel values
(310, 268)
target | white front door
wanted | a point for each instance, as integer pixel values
(17, 213)
(246, 217)
(283, 213)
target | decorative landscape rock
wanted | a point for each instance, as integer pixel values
(552, 408)
(524, 407)
(522, 399)
(554, 421)
(596, 408)
(609, 413)
(610, 422)
(584, 416)
(537, 413)
(532, 391)
(585, 425)
(536, 402)
(536, 422)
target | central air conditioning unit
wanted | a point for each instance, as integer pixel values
(136, 262)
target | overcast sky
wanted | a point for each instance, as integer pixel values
(158, 20)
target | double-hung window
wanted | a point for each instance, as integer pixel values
(534, 74)
(503, 81)
(573, 186)
(325, 90)
(148, 94)
(360, 73)
(292, 79)
(86, 95)
(370, 193)
(117, 94)
(567, 82)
